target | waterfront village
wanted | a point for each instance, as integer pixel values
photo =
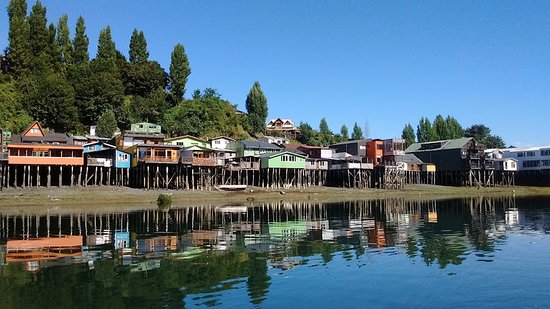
(143, 157)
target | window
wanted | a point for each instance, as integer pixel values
(545, 162)
(545, 152)
(380, 147)
(530, 154)
(179, 143)
(512, 164)
(217, 142)
(533, 163)
(520, 154)
(35, 131)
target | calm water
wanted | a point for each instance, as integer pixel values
(393, 253)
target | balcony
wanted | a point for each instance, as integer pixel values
(99, 162)
(159, 159)
(245, 166)
(38, 160)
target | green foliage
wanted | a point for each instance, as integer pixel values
(138, 48)
(18, 51)
(256, 106)
(179, 71)
(357, 132)
(344, 134)
(143, 78)
(12, 114)
(80, 43)
(439, 128)
(107, 124)
(454, 129)
(424, 130)
(50, 99)
(408, 134)
(106, 49)
(146, 109)
(326, 137)
(39, 39)
(482, 134)
(64, 42)
(308, 135)
(202, 117)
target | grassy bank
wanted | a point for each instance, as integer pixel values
(113, 199)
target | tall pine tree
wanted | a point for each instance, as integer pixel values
(179, 71)
(256, 106)
(408, 134)
(344, 133)
(138, 48)
(106, 49)
(64, 42)
(424, 130)
(18, 50)
(80, 43)
(39, 42)
(357, 132)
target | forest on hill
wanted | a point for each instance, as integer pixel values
(51, 77)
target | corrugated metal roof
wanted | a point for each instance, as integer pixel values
(259, 144)
(439, 145)
(274, 154)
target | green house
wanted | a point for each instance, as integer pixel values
(187, 141)
(251, 148)
(282, 159)
(145, 128)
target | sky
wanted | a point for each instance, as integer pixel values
(381, 64)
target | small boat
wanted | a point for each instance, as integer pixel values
(231, 187)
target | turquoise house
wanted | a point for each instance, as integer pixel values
(97, 146)
(282, 159)
(109, 157)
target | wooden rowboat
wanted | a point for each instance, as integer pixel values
(231, 187)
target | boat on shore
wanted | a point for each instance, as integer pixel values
(231, 187)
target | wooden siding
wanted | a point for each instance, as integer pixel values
(45, 154)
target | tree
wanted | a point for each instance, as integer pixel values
(326, 137)
(142, 79)
(50, 99)
(107, 124)
(138, 48)
(80, 43)
(54, 50)
(424, 130)
(39, 38)
(439, 129)
(408, 134)
(64, 41)
(308, 135)
(13, 116)
(357, 132)
(256, 106)
(18, 37)
(454, 128)
(179, 71)
(482, 134)
(149, 109)
(344, 134)
(106, 49)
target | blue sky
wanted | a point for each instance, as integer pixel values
(382, 63)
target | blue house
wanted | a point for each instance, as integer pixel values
(108, 165)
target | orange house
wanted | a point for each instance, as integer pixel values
(34, 147)
(375, 150)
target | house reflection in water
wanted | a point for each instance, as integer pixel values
(34, 251)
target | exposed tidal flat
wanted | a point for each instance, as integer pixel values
(127, 199)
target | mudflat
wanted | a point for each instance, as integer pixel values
(125, 199)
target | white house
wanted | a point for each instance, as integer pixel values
(220, 142)
(275, 140)
(529, 159)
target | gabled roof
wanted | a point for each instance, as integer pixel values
(223, 137)
(199, 148)
(35, 123)
(278, 153)
(184, 137)
(408, 158)
(99, 142)
(79, 138)
(259, 144)
(439, 145)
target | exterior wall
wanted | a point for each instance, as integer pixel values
(123, 159)
(145, 128)
(219, 143)
(34, 130)
(316, 164)
(326, 153)
(445, 160)
(354, 148)
(375, 150)
(187, 142)
(529, 159)
(279, 161)
(37, 154)
(152, 154)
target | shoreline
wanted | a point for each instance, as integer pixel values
(101, 199)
